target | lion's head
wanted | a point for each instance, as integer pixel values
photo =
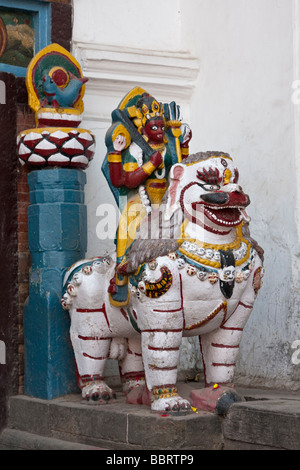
(203, 189)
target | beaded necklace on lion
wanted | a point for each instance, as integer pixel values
(235, 245)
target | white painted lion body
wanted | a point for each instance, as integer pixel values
(206, 288)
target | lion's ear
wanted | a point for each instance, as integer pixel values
(175, 177)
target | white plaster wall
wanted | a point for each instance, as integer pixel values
(139, 24)
(242, 104)
(231, 65)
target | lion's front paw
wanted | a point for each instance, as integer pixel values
(98, 392)
(171, 405)
(168, 401)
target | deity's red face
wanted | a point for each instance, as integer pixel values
(155, 130)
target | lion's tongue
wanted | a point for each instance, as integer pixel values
(226, 214)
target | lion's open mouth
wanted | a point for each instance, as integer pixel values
(222, 208)
(229, 216)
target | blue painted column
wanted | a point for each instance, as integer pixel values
(57, 230)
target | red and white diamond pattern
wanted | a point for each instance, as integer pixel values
(57, 147)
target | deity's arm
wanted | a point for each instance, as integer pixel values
(177, 130)
(131, 179)
(186, 137)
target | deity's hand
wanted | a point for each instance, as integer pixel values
(119, 143)
(186, 133)
(156, 159)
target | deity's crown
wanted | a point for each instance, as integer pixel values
(146, 108)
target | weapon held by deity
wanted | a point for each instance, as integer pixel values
(119, 115)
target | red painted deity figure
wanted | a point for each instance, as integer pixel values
(145, 139)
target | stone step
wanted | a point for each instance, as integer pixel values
(14, 439)
(110, 426)
(273, 423)
(265, 420)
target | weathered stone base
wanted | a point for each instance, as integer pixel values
(266, 420)
(112, 426)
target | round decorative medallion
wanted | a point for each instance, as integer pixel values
(57, 63)
(60, 76)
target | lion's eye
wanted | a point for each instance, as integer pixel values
(210, 187)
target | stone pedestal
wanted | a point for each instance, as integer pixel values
(57, 229)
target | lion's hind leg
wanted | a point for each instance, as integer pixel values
(90, 330)
(91, 352)
(132, 373)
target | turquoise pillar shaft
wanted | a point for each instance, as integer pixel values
(57, 231)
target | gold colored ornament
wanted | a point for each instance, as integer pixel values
(167, 392)
(236, 244)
